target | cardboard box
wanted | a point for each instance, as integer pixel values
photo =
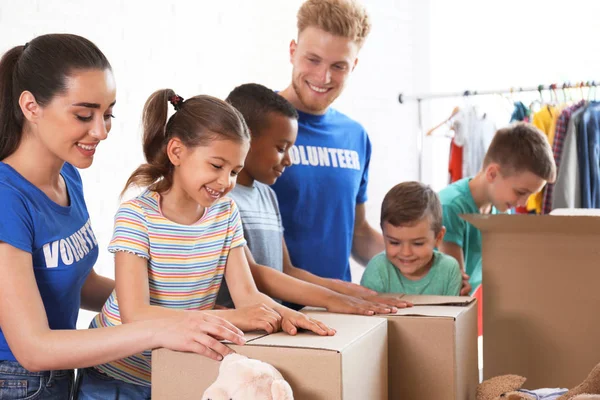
(433, 349)
(350, 365)
(541, 297)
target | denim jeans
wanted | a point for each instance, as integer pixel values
(16, 383)
(95, 385)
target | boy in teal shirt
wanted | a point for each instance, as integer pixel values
(517, 164)
(411, 221)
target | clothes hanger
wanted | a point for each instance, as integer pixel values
(564, 92)
(539, 102)
(589, 86)
(454, 112)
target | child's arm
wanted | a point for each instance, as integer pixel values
(244, 293)
(95, 291)
(339, 286)
(452, 244)
(133, 295)
(288, 288)
(454, 250)
(454, 280)
(133, 290)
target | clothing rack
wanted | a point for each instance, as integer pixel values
(402, 98)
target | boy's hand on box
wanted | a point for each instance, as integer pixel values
(351, 289)
(466, 286)
(343, 304)
(294, 320)
(255, 317)
(389, 299)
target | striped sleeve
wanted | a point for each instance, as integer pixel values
(235, 230)
(131, 231)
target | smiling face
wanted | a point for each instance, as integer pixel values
(269, 150)
(73, 123)
(410, 247)
(321, 63)
(511, 190)
(206, 173)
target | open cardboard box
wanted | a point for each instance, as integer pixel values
(433, 349)
(541, 297)
(350, 365)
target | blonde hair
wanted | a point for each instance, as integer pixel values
(346, 18)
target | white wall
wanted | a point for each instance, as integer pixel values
(479, 45)
(210, 47)
(415, 47)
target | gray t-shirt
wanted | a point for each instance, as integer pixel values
(263, 229)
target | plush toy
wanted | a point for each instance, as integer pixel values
(508, 387)
(242, 378)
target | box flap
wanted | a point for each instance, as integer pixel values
(435, 306)
(421, 300)
(250, 336)
(349, 329)
(576, 211)
(563, 224)
(431, 311)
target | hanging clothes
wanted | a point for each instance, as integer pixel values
(474, 133)
(545, 120)
(588, 152)
(520, 113)
(567, 188)
(455, 165)
(558, 145)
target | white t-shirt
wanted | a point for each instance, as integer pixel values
(474, 133)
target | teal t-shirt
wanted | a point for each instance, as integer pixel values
(457, 199)
(443, 279)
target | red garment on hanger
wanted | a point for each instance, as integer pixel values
(455, 165)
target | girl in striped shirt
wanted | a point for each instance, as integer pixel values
(176, 241)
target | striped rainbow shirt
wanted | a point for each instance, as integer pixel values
(185, 264)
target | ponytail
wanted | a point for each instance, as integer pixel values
(11, 117)
(197, 121)
(158, 165)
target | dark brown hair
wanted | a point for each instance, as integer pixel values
(409, 202)
(519, 148)
(40, 67)
(198, 121)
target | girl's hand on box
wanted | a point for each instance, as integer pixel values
(255, 317)
(294, 320)
(343, 304)
(389, 299)
(199, 333)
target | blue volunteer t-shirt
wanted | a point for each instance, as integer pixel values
(319, 192)
(60, 239)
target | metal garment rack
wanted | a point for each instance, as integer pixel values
(552, 88)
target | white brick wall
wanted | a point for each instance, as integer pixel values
(210, 47)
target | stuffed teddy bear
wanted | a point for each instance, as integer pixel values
(508, 387)
(242, 378)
